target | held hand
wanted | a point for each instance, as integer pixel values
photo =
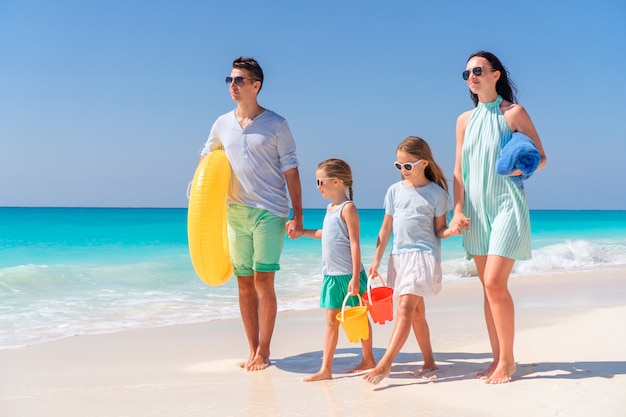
(454, 229)
(460, 222)
(294, 229)
(449, 231)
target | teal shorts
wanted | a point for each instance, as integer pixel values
(256, 238)
(335, 289)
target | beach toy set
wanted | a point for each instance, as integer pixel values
(378, 301)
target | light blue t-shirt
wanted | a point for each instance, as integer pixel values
(259, 154)
(336, 252)
(414, 211)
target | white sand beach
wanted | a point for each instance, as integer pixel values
(570, 348)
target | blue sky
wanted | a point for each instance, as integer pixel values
(107, 103)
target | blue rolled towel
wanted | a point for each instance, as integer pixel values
(520, 153)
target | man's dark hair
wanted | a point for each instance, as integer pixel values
(252, 66)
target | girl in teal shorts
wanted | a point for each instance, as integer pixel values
(341, 260)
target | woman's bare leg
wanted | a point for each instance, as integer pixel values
(494, 272)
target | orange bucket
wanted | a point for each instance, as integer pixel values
(354, 321)
(379, 302)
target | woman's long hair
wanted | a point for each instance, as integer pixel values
(504, 87)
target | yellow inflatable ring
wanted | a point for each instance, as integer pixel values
(207, 231)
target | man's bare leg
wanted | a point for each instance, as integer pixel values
(266, 319)
(249, 306)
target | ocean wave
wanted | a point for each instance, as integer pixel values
(572, 255)
(48, 302)
(566, 256)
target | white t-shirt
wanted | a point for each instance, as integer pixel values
(414, 211)
(259, 155)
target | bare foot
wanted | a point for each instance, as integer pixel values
(320, 376)
(247, 363)
(363, 366)
(425, 369)
(376, 375)
(502, 374)
(259, 363)
(486, 374)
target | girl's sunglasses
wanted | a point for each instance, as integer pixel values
(408, 166)
(320, 181)
(239, 81)
(477, 71)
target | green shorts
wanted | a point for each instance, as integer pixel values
(335, 289)
(256, 238)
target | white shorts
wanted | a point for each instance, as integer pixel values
(415, 272)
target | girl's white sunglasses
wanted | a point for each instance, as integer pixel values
(408, 166)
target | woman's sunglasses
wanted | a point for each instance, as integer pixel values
(477, 71)
(239, 81)
(408, 166)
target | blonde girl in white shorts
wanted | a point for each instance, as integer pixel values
(415, 211)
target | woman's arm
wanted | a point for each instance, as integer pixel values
(458, 186)
(519, 121)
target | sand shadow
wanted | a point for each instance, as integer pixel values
(309, 362)
(404, 364)
(453, 366)
(570, 370)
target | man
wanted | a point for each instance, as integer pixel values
(262, 155)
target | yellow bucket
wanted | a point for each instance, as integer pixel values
(354, 321)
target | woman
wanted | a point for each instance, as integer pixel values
(490, 207)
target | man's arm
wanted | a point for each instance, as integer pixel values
(294, 226)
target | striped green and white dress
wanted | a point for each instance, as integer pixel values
(497, 208)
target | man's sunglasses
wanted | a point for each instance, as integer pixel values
(239, 81)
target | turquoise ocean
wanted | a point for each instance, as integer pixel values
(77, 271)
